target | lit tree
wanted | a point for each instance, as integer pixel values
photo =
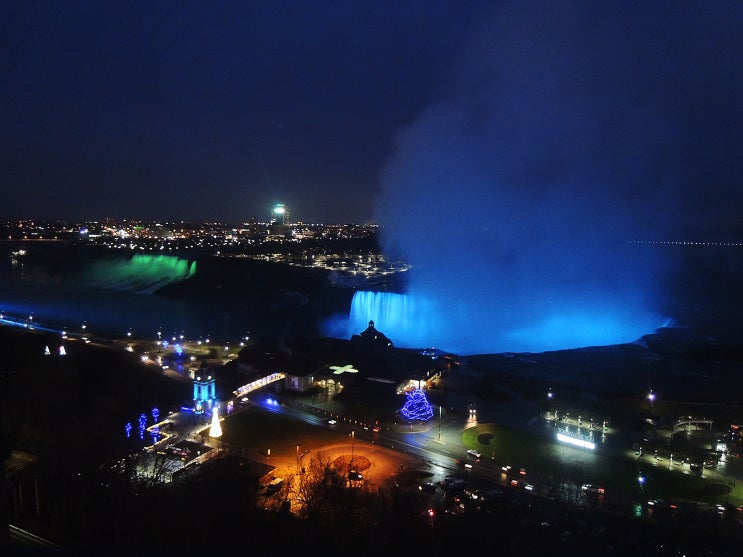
(216, 429)
(417, 406)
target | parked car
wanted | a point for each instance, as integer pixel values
(427, 488)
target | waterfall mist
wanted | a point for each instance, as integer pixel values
(532, 196)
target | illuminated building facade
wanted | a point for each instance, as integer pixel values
(204, 393)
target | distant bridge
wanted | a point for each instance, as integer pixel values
(692, 424)
(259, 383)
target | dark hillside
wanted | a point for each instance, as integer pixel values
(58, 407)
(279, 300)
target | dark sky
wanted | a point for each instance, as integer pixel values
(216, 110)
(213, 110)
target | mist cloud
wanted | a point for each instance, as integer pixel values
(567, 132)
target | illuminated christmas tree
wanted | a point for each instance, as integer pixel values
(417, 406)
(216, 429)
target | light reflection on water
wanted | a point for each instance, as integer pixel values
(64, 300)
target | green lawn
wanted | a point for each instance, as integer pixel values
(541, 456)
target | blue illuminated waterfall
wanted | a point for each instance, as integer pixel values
(465, 327)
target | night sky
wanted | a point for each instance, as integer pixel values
(213, 110)
(355, 111)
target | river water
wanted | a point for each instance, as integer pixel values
(67, 287)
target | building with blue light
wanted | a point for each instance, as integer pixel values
(204, 393)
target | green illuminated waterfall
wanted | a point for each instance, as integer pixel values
(143, 274)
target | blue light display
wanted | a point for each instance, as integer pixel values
(155, 414)
(417, 406)
(142, 425)
(128, 429)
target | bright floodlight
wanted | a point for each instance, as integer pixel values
(575, 441)
(216, 429)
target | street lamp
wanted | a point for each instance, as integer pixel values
(439, 422)
(350, 463)
(651, 398)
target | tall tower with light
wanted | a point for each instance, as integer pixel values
(204, 393)
(280, 226)
(280, 214)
